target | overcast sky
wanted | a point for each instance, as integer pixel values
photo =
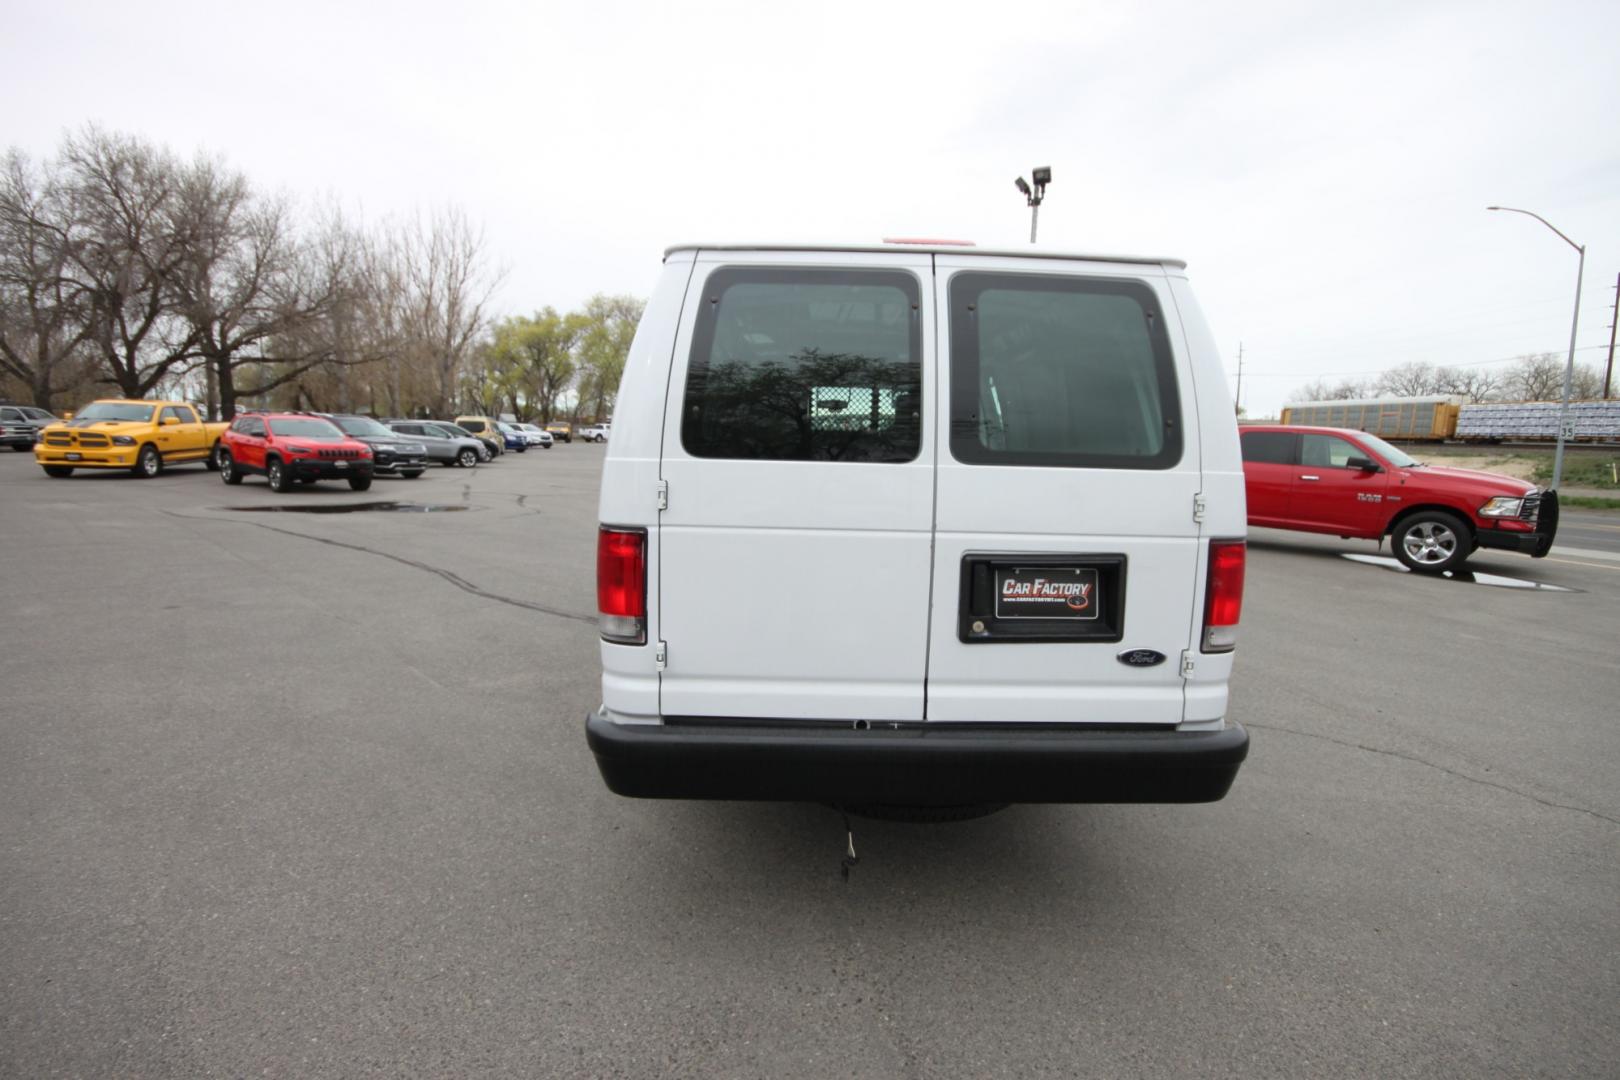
(1323, 168)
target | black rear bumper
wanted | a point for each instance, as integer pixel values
(918, 765)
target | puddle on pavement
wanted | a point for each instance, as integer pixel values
(1473, 578)
(351, 508)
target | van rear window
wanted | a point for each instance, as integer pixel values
(805, 365)
(1061, 371)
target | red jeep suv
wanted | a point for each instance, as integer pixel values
(1351, 484)
(291, 448)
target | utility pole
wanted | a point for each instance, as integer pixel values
(1608, 369)
(1239, 401)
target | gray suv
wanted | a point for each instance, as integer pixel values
(446, 443)
(20, 426)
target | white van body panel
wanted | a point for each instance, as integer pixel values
(1225, 511)
(794, 589)
(630, 481)
(1144, 514)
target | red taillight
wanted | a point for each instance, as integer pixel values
(1223, 594)
(621, 584)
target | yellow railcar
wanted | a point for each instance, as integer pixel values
(1389, 418)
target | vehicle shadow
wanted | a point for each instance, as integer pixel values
(1501, 572)
(772, 852)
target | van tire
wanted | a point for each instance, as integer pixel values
(1431, 541)
(926, 815)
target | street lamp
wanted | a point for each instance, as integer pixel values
(1042, 176)
(1569, 366)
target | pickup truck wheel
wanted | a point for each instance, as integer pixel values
(148, 463)
(467, 458)
(360, 483)
(58, 471)
(280, 477)
(1432, 541)
(213, 458)
(225, 465)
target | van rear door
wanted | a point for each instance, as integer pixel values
(794, 549)
(1066, 549)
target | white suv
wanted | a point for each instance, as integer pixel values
(920, 526)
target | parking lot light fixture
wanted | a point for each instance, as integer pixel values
(1034, 196)
(1564, 431)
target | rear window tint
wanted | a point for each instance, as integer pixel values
(1269, 447)
(805, 365)
(1061, 371)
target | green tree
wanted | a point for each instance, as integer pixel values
(535, 355)
(609, 326)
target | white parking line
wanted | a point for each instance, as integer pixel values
(1573, 562)
(1587, 553)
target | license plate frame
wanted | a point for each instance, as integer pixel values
(989, 611)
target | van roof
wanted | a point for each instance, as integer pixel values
(936, 248)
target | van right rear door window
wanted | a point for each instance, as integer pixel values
(1061, 371)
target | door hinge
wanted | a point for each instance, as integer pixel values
(1187, 663)
(663, 494)
(1199, 506)
(661, 655)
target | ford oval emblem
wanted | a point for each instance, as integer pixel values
(1141, 657)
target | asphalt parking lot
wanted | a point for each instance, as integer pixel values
(307, 795)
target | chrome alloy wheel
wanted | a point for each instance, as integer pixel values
(1429, 543)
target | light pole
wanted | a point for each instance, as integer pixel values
(1569, 365)
(1042, 177)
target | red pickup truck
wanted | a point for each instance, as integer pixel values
(1355, 485)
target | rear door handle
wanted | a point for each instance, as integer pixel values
(1310, 478)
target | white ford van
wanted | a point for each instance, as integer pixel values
(920, 525)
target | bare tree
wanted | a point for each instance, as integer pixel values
(1416, 379)
(131, 240)
(447, 287)
(42, 308)
(1470, 384)
(1325, 390)
(1586, 385)
(1536, 377)
(258, 296)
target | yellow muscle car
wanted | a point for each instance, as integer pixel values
(141, 436)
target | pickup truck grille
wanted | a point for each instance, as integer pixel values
(72, 438)
(332, 454)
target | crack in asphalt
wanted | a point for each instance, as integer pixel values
(1441, 768)
(459, 582)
